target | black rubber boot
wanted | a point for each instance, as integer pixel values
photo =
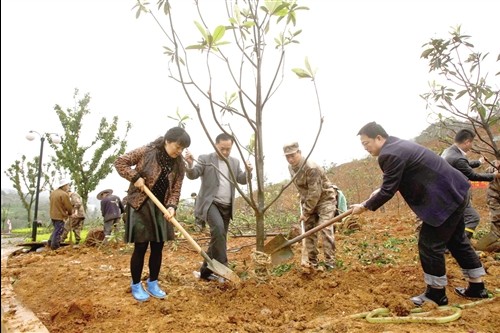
(435, 295)
(474, 290)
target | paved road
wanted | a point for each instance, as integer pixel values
(11, 241)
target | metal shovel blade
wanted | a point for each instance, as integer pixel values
(223, 271)
(213, 264)
(281, 255)
(279, 246)
(278, 249)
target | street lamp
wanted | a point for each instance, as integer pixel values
(31, 136)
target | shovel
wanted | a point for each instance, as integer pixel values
(279, 247)
(213, 264)
(305, 257)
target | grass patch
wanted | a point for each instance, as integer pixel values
(281, 269)
(43, 234)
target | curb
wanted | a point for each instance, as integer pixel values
(15, 316)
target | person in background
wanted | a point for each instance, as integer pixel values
(456, 156)
(341, 206)
(75, 221)
(126, 209)
(9, 226)
(197, 221)
(438, 194)
(350, 222)
(491, 241)
(60, 209)
(215, 200)
(317, 200)
(160, 167)
(111, 209)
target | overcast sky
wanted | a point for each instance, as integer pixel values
(367, 54)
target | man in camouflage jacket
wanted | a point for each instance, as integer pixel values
(75, 221)
(317, 200)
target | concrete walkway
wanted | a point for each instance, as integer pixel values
(16, 318)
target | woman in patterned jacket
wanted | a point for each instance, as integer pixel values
(159, 166)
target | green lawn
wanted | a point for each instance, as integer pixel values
(42, 234)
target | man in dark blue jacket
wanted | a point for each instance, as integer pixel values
(438, 194)
(456, 156)
(111, 209)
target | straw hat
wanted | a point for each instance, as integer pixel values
(101, 194)
(61, 182)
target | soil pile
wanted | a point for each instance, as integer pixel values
(87, 289)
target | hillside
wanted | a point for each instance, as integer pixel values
(357, 179)
(377, 266)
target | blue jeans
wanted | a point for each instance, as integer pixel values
(55, 237)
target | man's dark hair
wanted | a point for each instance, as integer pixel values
(464, 134)
(223, 137)
(372, 130)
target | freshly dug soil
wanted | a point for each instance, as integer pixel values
(87, 288)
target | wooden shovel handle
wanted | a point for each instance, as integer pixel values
(172, 220)
(315, 229)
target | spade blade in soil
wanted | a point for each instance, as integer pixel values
(279, 249)
(281, 255)
(215, 266)
(223, 271)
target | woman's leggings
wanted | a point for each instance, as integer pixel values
(137, 260)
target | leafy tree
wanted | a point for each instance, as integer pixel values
(87, 164)
(23, 175)
(238, 78)
(466, 95)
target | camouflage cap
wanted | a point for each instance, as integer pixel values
(291, 148)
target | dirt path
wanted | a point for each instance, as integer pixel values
(15, 316)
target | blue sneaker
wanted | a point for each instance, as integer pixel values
(138, 292)
(154, 289)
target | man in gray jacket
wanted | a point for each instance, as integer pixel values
(456, 156)
(215, 200)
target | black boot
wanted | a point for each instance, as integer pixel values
(436, 295)
(474, 290)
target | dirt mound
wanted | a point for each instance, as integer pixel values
(87, 289)
(95, 237)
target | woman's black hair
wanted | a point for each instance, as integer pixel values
(175, 134)
(179, 135)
